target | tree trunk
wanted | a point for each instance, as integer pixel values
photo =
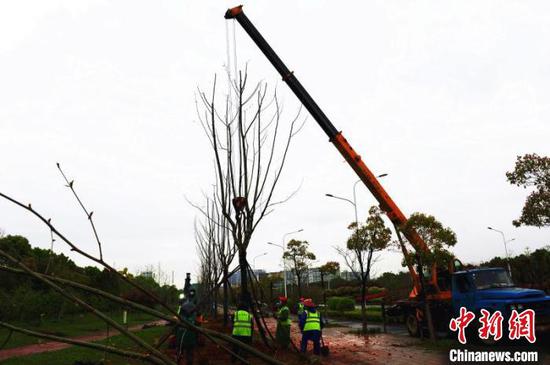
(323, 288)
(215, 304)
(431, 328)
(245, 295)
(299, 280)
(364, 304)
(256, 309)
(225, 296)
(424, 298)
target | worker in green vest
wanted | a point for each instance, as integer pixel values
(300, 306)
(242, 329)
(282, 335)
(310, 325)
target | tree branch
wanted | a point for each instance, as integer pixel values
(91, 345)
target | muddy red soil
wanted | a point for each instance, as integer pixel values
(345, 348)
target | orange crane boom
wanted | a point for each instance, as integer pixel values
(338, 140)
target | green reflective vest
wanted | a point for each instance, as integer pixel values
(242, 324)
(300, 308)
(282, 314)
(313, 321)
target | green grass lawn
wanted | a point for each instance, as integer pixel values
(70, 355)
(374, 314)
(69, 326)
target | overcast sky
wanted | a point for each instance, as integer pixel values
(441, 96)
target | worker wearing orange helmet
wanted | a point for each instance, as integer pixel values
(311, 326)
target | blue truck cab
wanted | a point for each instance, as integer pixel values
(493, 289)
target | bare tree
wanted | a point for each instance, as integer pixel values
(216, 253)
(209, 266)
(250, 150)
(225, 253)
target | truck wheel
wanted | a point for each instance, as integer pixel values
(413, 327)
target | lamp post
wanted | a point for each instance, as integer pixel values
(255, 257)
(354, 202)
(505, 247)
(282, 246)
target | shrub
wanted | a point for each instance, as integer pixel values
(341, 304)
(352, 291)
(374, 290)
(344, 291)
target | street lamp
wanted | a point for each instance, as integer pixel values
(255, 257)
(283, 257)
(505, 247)
(354, 202)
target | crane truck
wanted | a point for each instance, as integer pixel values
(446, 288)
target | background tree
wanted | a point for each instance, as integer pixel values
(365, 240)
(299, 256)
(529, 269)
(250, 150)
(330, 268)
(533, 171)
(216, 253)
(210, 269)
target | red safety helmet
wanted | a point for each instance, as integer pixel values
(309, 303)
(283, 299)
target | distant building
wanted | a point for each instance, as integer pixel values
(313, 276)
(147, 274)
(347, 275)
(260, 273)
(235, 279)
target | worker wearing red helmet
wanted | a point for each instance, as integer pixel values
(311, 325)
(282, 335)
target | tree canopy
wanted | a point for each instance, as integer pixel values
(19, 291)
(365, 239)
(533, 171)
(298, 253)
(373, 235)
(437, 237)
(330, 267)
